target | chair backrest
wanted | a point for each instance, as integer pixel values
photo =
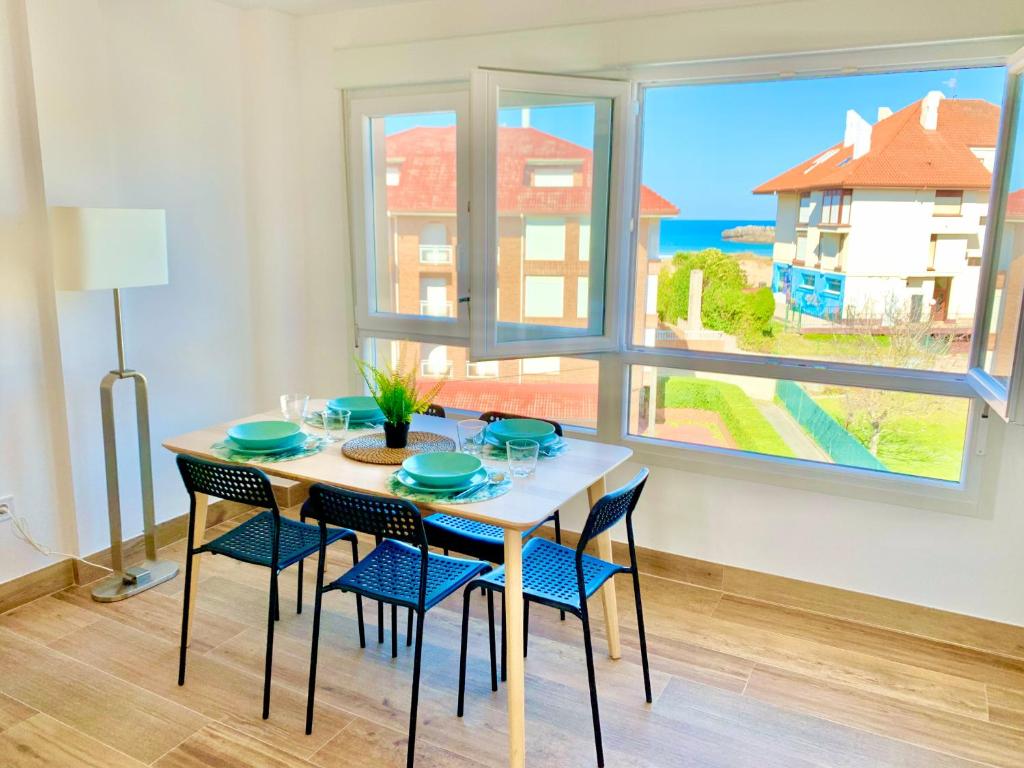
(231, 482)
(611, 508)
(380, 516)
(435, 410)
(492, 416)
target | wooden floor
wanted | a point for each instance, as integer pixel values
(737, 682)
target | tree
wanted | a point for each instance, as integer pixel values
(906, 342)
(728, 304)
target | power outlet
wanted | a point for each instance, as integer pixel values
(6, 508)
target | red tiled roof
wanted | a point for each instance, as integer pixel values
(1015, 205)
(904, 154)
(427, 176)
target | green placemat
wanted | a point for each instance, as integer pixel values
(490, 491)
(313, 445)
(498, 452)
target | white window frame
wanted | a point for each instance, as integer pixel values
(613, 413)
(1006, 400)
(484, 345)
(360, 108)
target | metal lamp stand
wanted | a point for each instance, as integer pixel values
(125, 582)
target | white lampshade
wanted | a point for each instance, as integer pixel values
(104, 248)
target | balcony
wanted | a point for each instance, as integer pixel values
(433, 308)
(436, 254)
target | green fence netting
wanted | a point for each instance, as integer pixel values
(843, 447)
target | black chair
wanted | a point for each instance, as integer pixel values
(400, 571)
(564, 578)
(435, 410)
(486, 542)
(268, 540)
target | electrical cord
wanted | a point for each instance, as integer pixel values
(23, 532)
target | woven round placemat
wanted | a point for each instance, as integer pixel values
(371, 449)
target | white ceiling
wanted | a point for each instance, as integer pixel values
(309, 7)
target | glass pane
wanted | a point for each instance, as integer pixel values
(846, 226)
(553, 155)
(415, 226)
(897, 432)
(559, 388)
(1009, 249)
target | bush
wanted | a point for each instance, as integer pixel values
(727, 305)
(747, 425)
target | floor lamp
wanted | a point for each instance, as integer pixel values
(111, 249)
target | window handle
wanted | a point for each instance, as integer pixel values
(463, 299)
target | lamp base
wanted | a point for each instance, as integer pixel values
(137, 578)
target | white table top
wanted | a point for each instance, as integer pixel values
(530, 501)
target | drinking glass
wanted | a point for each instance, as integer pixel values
(471, 435)
(335, 423)
(522, 457)
(294, 408)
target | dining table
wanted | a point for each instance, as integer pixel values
(582, 467)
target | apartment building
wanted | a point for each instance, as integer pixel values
(891, 220)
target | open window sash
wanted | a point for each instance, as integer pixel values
(408, 159)
(996, 359)
(551, 159)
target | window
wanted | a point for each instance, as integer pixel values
(739, 227)
(584, 251)
(835, 207)
(804, 216)
(768, 320)
(545, 239)
(872, 429)
(998, 361)
(522, 123)
(434, 246)
(408, 165)
(582, 296)
(563, 389)
(552, 175)
(948, 202)
(543, 296)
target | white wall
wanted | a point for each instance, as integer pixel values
(958, 563)
(173, 104)
(33, 453)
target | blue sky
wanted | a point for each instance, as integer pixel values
(707, 146)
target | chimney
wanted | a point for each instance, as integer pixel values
(930, 110)
(858, 134)
(883, 112)
(525, 117)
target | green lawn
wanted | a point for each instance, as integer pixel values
(747, 425)
(814, 346)
(924, 436)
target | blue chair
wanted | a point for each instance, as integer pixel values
(564, 578)
(486, 542)
(400, 571)
(267, 540)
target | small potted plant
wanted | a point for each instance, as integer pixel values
(398, 398)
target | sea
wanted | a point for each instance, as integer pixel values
(697, 234)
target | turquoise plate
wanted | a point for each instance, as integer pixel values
(362, 407)
(444, 469)
(294, 442)
(500, 432)
(263, 435)
(411, 482)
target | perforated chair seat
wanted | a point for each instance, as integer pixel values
(253, 540)
(549, 575)
(469, 537)
(391, 573)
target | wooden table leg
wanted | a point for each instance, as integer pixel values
(198, 535)
(516, 673)
(608, 601)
